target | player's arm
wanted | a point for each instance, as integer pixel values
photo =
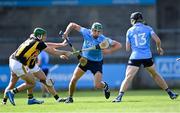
(56, 45)
(57, 52)
(158, 43)
(49, 49)
(115, 46)
(70, 27)
(128, 46)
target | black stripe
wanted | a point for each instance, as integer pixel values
(27, 48)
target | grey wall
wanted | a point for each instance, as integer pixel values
(17, 23)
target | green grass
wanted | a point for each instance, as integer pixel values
(155, 101)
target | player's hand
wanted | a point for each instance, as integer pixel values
(65, 35)
(68, 53)
(64, 43)
(160, 51)
(64, 57)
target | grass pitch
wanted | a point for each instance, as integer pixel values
(151, 101)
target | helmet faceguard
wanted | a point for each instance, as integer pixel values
(97, 26)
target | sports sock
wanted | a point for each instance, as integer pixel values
(168, 91)
(5, 100)
(121, 94)
(56, 97)
(30, 96)
(105, 86)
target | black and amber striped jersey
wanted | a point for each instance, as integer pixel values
(29, 50)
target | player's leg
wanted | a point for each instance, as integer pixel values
(21, 72)
(48, 83)
(96, 68)
(10, 86)
(130, 73)
(45, 92)
(29, 84)
(99, 84)
(160, 81)
(78, 72)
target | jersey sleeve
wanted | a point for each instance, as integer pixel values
(41, 46)
(151, 30)
(84, 32)
(110, 41)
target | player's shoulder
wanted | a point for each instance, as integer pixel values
(102, 36)
(130, 30)
(83, 29)
(148, 27)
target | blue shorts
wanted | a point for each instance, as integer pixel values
(93, 66)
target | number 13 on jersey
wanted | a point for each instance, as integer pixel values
(140, 39)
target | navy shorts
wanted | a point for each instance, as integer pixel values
(138, 62)
(93, 66)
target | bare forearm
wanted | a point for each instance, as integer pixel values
(128, 46)
(54, 45)
(127, 49)
(59, 52)
(157, 40)
(55, 52)
(158, 44)
(69, 28)
(115, 47)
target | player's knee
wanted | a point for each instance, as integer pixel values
(74, 80)
(30, 84)
(47, 82)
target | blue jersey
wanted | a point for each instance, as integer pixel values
(44, 59)
(89, 41)
(139, 37)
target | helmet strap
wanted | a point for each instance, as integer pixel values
(39, 37)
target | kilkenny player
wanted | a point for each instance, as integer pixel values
(23, 64)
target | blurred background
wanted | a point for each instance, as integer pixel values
(18, 18)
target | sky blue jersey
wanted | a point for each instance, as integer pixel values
(44, 58)
(139, 37)
(89, 41)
